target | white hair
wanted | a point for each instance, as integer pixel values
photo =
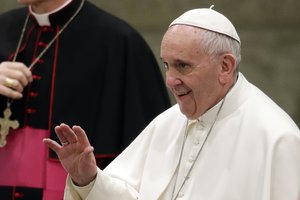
(215, 44)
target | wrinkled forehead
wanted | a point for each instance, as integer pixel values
(183, 33)
(182, 38)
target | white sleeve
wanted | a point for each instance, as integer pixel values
(102, 188)
(73, 192)
(107, 187)
(285, 177)
(122, 178)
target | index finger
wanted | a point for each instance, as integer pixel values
(65, 133)
(25, 72)
(19, 71)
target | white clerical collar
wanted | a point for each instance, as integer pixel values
(236, 96)
(43, 19)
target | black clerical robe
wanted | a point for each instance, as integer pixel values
(99, 74)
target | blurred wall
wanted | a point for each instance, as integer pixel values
(269, 30)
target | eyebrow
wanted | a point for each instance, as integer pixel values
(176, 60)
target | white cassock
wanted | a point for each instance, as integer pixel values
(251, 153)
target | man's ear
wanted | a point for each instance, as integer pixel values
(228, 67)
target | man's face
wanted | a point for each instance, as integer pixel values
(191, 75)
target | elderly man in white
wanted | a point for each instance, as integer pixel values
(223, 140)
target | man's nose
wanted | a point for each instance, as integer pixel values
(172, 78)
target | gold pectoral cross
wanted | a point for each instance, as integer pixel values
(5, 125)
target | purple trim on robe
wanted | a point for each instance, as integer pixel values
(24, 162)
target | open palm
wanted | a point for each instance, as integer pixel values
(76, 155)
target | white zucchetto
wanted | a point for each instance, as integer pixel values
(208, 19)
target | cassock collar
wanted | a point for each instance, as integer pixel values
(59, 16)
(235, 97)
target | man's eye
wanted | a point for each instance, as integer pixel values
(182, 65)
(183, 68)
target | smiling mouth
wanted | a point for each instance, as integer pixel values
(181, 94)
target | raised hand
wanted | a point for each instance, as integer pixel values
(75, 153)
